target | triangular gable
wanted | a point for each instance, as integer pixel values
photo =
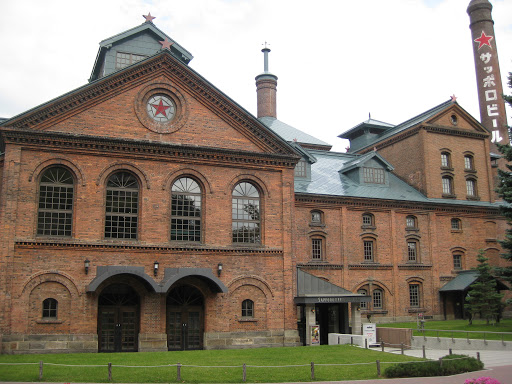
(360, 161)
(164, 64)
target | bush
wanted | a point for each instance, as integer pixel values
(452, 364)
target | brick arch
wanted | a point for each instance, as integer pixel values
(77, 171)
(251, 280)
(415, 279)
(186, 172)
(376, 282)
(49, 276)
(262, 186)
(108, 170)
(458, 248)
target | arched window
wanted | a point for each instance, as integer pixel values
(122, 206)
(457, 260)
(50, 308)
(446, 161)
(186, 210)
(447, 185)
(411, 222)
(247, 308)
(363, 304)
(368, 249)
(471, 187)
(55, 212)
(469, 164)
(412, 251)
(378, 298)
(414, 295)
(246, 214)
(368, 220)
(456, 224)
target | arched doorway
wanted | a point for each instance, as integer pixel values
(118, 319)
(185, 318)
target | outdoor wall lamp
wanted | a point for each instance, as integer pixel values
(155, 268)
(86, 266)
(219, 269)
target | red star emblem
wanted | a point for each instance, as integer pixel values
(484, 40)
(160, 108)
(148, 17)
(454, 98)
(166, 44)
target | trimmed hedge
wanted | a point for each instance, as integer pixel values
(452, 365)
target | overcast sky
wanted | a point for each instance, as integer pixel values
(336, 60)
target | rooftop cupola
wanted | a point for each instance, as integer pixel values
(266, 89)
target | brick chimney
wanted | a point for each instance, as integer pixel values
(266, 89)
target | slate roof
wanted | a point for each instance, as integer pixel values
(290, 133)
(327, 178)
(461, 282)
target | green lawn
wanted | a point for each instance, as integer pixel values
(479, 326)
(263, 357)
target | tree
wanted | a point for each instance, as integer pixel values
(483, 296)
(505, 192)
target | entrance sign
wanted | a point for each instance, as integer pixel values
(370, 332)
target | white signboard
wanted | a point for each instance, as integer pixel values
(370, 332)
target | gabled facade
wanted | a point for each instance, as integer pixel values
(147, 211)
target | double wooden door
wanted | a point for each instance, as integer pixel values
(185, 319)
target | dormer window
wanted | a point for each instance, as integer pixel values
(301, 169)
(373, 175)
(123, 60)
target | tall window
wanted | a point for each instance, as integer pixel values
(55, 212)
(122, 206)
(471, 187)
(300, 168)
(373, 175)
(247, 308)
(246, 214)
(412, 251)
(368, 249)
(446, 160)
(447, 185)
(469, 163)
(377, 298)
(414, 295)
(316, 246)
(457, 261)
(50, 308)
(186, 210)
(363, 304)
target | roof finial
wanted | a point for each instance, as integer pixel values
(149, 18)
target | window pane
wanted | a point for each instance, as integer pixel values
(456, 224)
(411, 250)
(468, 162)
(121, 206)
(55, 210)
(377, 299)
(247, 308)
(447, 185)
(457, 261)
(245, 211)
(414, 295)
(445, 160)
(367, 220)
(49, 308)
(470, 188)
(373, 175)
(368, 250)
(363, 305)
(300, 169)
(410, 222)
(317, 249)
(186, 210)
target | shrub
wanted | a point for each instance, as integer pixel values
(452, 364)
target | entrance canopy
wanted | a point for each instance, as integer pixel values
(463, 280)
(313, 290)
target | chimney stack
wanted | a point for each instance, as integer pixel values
(266, 89)
(488, 76)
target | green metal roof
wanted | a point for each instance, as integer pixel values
(461, 282)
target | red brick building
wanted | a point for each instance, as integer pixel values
(148, 211)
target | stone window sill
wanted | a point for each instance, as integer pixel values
(49, 321)
(247, 320)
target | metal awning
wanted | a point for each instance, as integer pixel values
(463, 280)
(313, 290)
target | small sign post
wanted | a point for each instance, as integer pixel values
(370, 332)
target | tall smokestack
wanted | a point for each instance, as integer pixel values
(488, 76)
(266, 89)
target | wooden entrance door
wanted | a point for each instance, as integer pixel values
(185, 319)
(118, 319)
